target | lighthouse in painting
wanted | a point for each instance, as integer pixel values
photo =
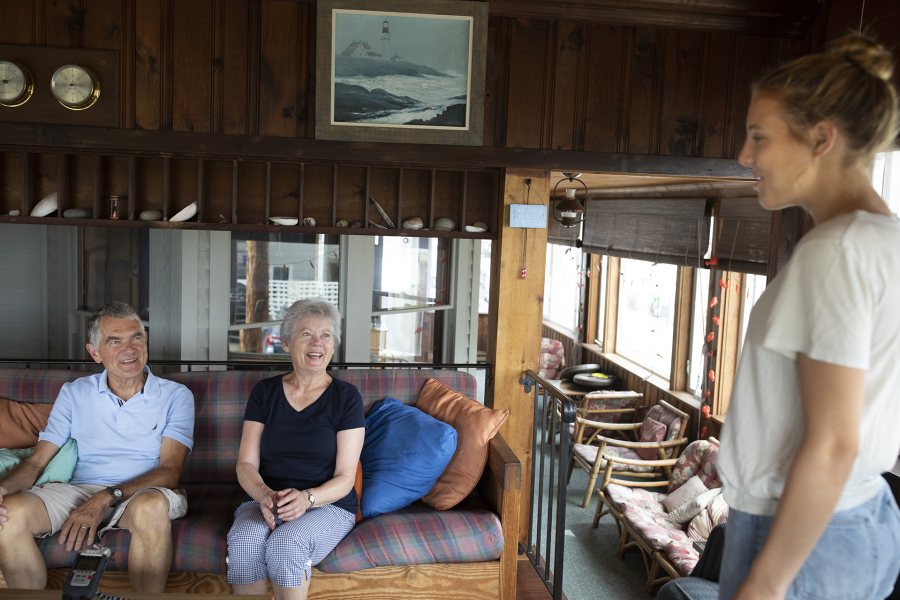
(385, 39)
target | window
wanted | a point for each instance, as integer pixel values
(886, 178)
(115, 266)
(646, 314)
(699, 330)
(563, 283)
(409, 298)
(270, 272)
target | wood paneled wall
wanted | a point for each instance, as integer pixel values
(246, 67)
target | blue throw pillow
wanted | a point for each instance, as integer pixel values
(59, 468)
(404, 453)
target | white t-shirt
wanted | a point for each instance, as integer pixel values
(837, 300)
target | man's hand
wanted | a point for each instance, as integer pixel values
(81, 527)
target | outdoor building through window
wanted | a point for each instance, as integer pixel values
(269, 273)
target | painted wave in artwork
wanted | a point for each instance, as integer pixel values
(398, 93)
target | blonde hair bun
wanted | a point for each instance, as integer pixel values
(870, 56)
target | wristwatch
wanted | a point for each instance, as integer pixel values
(311, 498)
(117, 494)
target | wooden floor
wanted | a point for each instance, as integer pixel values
(528, 583)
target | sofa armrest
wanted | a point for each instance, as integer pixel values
(500, 487)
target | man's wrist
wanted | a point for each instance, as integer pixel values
(116, 495)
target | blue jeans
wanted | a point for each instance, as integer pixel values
(857, 557)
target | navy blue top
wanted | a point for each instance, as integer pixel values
(298, 449)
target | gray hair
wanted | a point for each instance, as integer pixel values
(115, 310)
(310, 307)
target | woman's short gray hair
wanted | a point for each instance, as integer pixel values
(310, 307)
(115, 310)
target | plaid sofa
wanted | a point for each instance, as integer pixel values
(479, 533)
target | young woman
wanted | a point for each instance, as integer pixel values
(815, 415)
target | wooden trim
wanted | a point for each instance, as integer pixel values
(762, 17)
(681, 340)
(592, 298)
(60, 138)
(729, 336)
(610, 321)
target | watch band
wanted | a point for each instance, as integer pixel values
(117, 494)
(311, 499)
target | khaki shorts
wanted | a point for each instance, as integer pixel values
(61, 499)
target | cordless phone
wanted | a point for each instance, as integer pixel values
(83, 580)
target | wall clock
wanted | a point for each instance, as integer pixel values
(75, 87)
(16, 85)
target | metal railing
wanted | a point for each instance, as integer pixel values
(551, 451)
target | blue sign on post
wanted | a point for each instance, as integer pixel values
(530, 216)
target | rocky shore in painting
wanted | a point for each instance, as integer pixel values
(452, 116)
(356, 103)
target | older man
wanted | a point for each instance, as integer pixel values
(134, 432)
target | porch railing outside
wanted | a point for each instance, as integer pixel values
(545, 546)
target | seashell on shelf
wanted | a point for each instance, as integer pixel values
(15, 212)
(309, 221)
(444, 224)
(150, 215)
(188, 212)
(46, 206)
(341, 223)
(476, 227)
(412, 223)
(284, 220)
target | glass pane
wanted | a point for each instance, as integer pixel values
(411, 273)
(699, 328)
(886, 178)
(563, 282)
(272, 271)
(115, 264)
(407, 337)
(601, 309)
(646, 316)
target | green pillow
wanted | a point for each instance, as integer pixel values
(59, 469)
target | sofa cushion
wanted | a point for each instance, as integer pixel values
(692, 488)
(588, 453)
(59, 468)
(404, 453)
(475, 425)
(699, 458)
(651, 431)
(682, 554)
(21, 422)
(690, 509)
(418, 535)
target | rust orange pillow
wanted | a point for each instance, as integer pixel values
(475, 425)
(357, 485)
(21, 422)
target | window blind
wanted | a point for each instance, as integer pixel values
(674, 231)
(741, 239)
(557, 234)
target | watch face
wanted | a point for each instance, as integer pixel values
(15, 84)
(74, 87)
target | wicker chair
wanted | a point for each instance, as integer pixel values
(591, 454)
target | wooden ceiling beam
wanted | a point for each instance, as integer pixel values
(102, 140)
(763, 17)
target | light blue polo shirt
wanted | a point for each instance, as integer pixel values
(118, 441)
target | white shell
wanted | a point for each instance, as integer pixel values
(284, 220)
(46, 206)
(150, 215)
(309, 221)
(341, 223)
(444, 224)
(15, 212)
(476, 227)
(412, 223)
(185, 213)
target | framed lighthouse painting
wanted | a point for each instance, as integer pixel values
(401, 71)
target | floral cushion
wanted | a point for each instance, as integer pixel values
(669, 419)
(654, 527)
(552, 359)
(699, 458)
(682, 554)
(623, 498)
(588, 454)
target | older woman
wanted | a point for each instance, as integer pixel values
(303, 433)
